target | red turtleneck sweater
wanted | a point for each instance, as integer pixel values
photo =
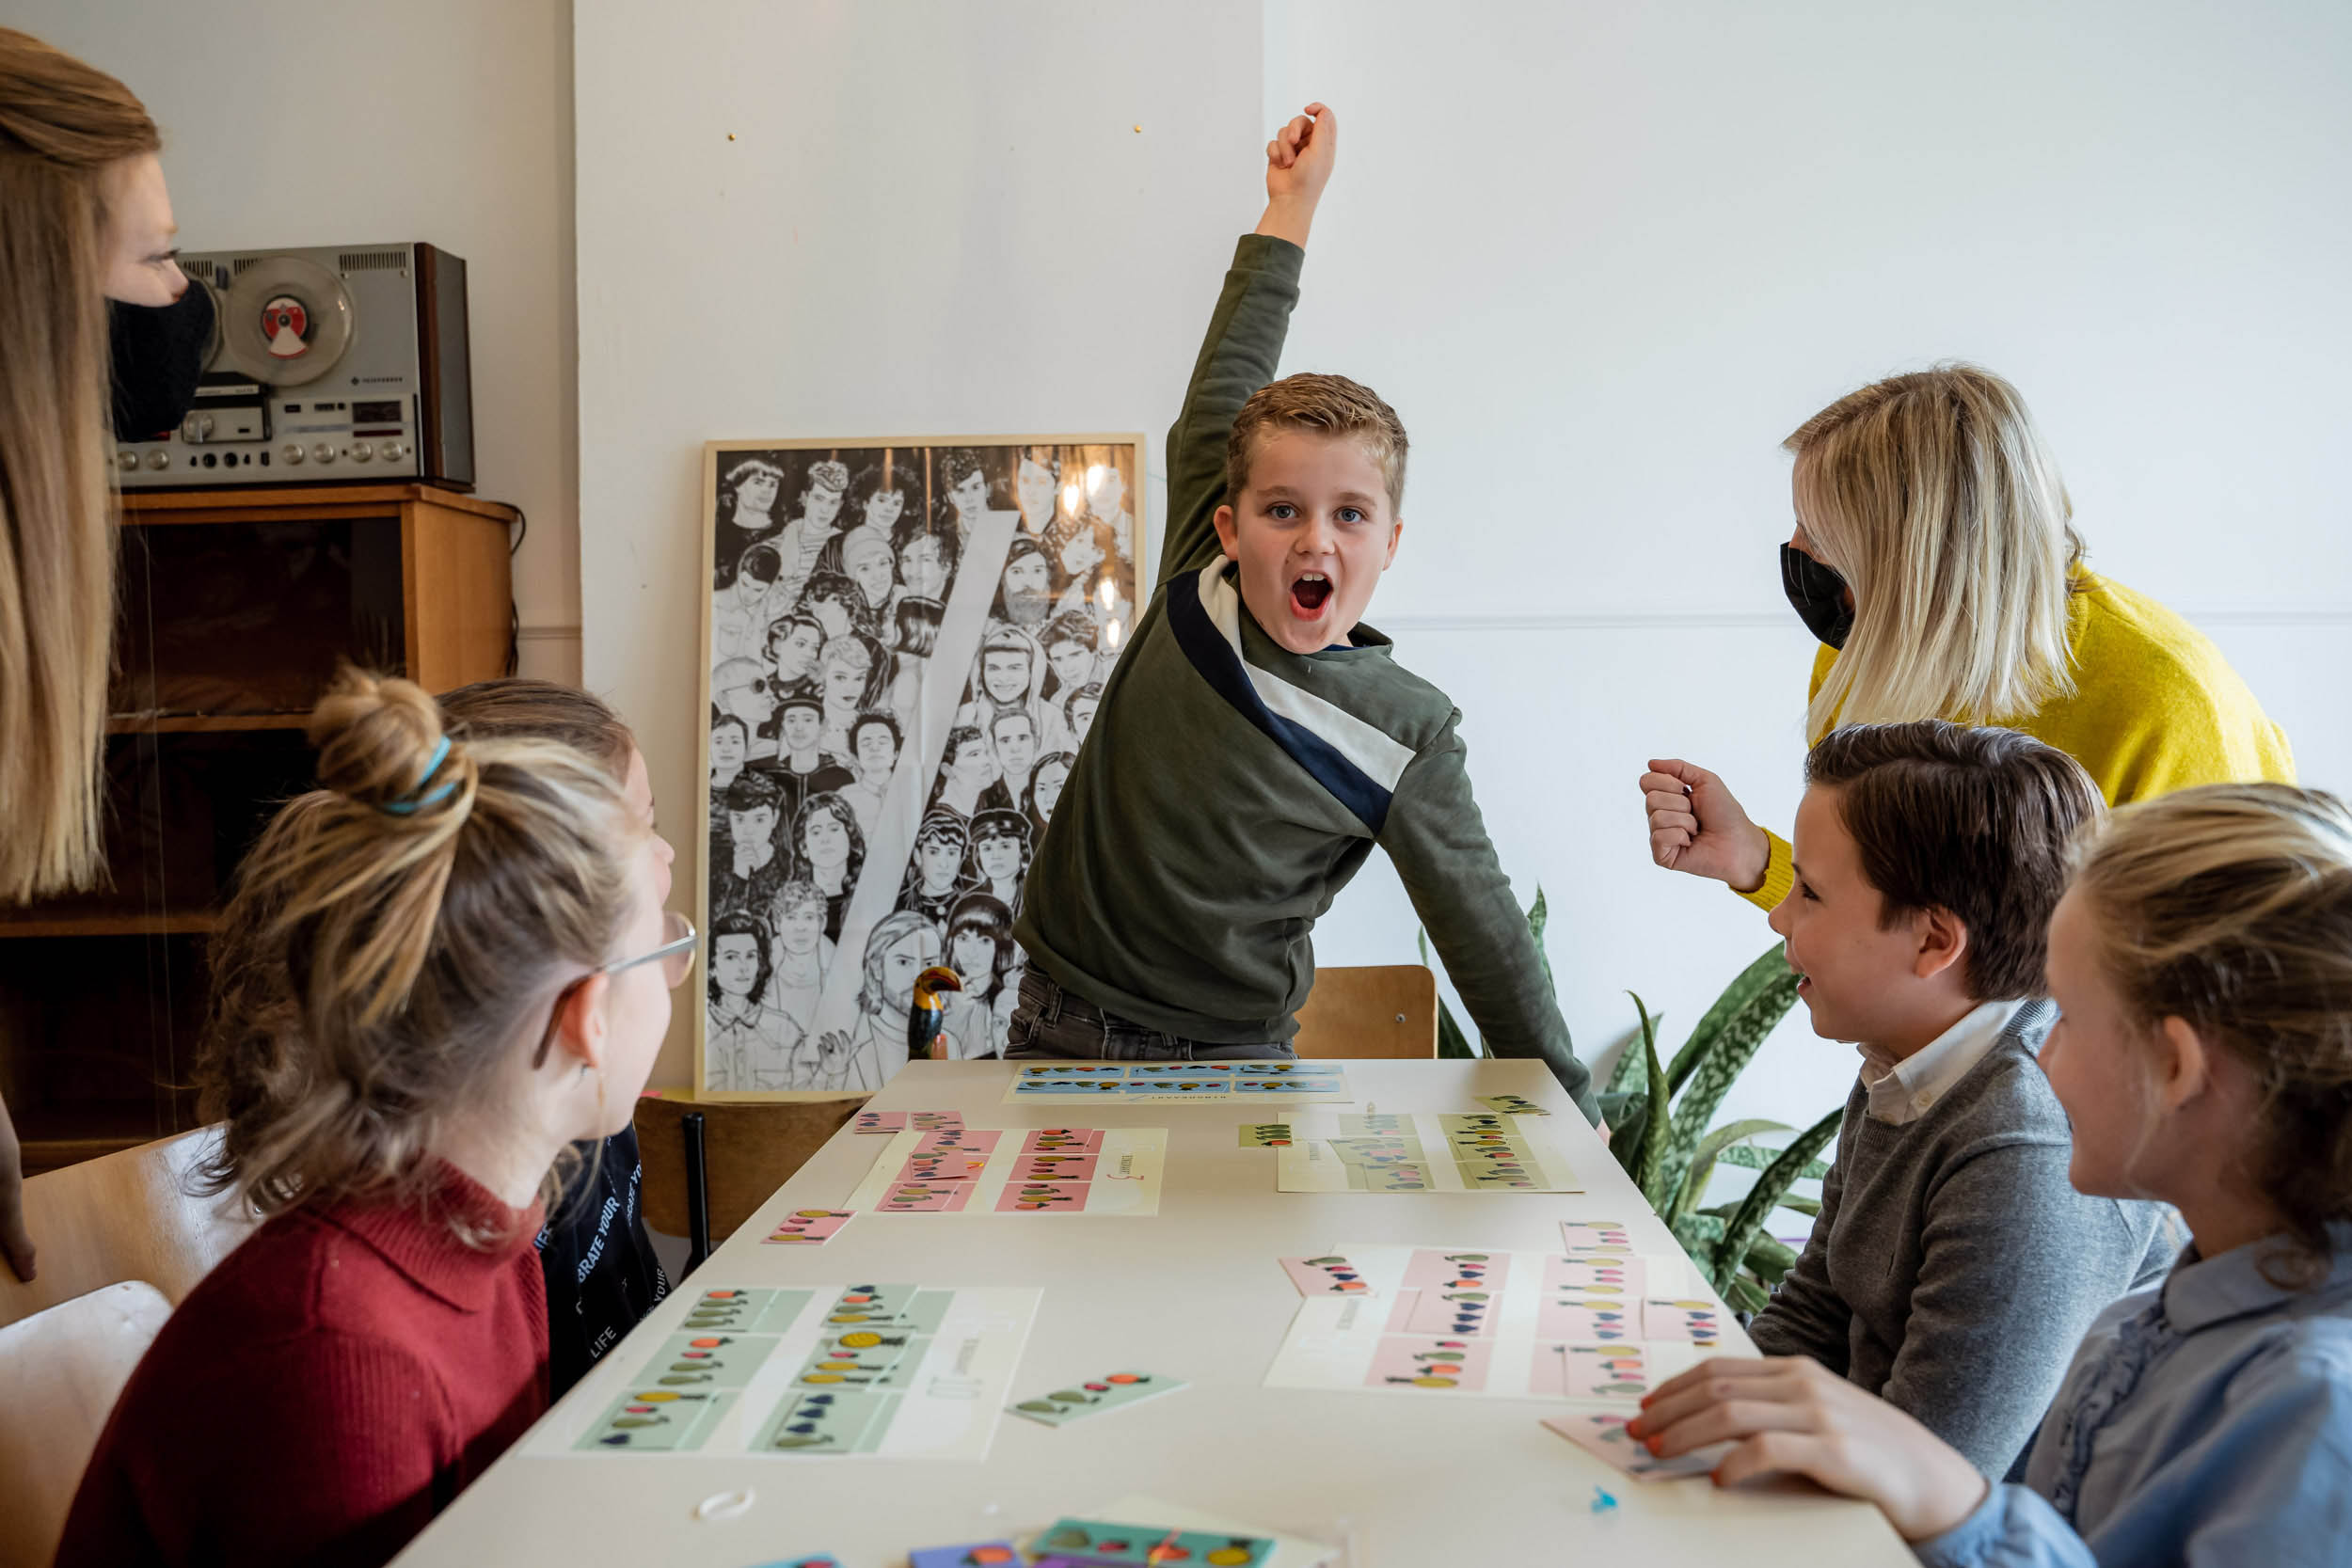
(322, 1394)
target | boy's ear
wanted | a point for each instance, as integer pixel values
(1943, 942)
(581, 1034)
(1396, 533)
(1225, 532)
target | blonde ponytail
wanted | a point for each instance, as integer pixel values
(424, 906)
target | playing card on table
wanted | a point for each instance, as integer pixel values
(1264, 1135)
(1026, 1198)
(943, 1166)
(1701, 1323)
(1091, 1544)
(1604, 1434)
(823, 1559)
(1327, 1275)
(1054, 1167)
(1063, 1140)
(1512, 1105)
(918, 1197)
(931, 1121)
(1595, 1237)
(978, 1553)
(1112, 1392)
(878, 1121)
(958, 1139)
(812, 1226)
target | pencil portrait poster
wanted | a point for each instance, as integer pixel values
(904, 647)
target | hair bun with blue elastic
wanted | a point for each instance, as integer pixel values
(381, 742)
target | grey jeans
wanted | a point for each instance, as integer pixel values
(1049, 1022)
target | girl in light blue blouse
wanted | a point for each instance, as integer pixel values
(2202, 959)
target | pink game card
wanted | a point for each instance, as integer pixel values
(1029, 1197)
(1431, 1270)
(1327, 1275)
(964, 1140)
(1588, 1372)
(1054, 1167)
(933, 1197)
(812, 1226)
(879, 1121)
(1418, 1362)
(1454, 1313)
(1587, 1238)
(943, 1167)
(1602, 1433)
(931, 1121)
(1063, 1140)
(1594, 1276)
(1699, 1322)
(1571, 1319)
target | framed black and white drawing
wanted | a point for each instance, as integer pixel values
(905, 643)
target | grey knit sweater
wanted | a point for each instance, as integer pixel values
(1953, 1268)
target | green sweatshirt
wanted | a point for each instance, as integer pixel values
(1230, 789)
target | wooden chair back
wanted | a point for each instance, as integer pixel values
(751, 1148)
(1369, 1010)
(129, 1215)
(60, 1372)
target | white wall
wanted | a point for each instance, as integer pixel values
(1603, 256)
(292, 122)
(1600, 256)
(885, 218)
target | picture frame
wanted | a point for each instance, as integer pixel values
(903, 641)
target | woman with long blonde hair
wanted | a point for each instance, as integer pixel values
(83, 219)
(2201, 960)
(1935, 558)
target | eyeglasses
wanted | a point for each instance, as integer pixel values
(675, 955)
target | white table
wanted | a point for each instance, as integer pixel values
(1195, 1292)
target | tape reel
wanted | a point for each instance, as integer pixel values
(286, 321)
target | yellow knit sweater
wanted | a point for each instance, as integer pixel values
(2155, 708)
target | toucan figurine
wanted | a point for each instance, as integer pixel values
(927, 1020)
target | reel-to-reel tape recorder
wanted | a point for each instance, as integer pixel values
(331, 363)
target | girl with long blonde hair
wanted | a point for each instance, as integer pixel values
(2201, 960)
(476, 974)
(1935, 558)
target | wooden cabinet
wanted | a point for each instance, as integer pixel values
(236, 607)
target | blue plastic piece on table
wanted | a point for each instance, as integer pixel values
(1602, 1501)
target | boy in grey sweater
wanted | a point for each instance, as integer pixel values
(1953, 1268)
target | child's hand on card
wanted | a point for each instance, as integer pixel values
(1788, 1413)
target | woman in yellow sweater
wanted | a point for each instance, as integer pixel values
(1934, 557)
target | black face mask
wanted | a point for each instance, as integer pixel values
(1819, 595)
(158, 355)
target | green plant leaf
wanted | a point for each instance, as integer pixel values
(1770, 1252)
(1632, 1074)
(1752, 1158)
(1537, 917)
(1646, 1164)
(1626, 1124)
(1746, 1295)
(1699, 1234)
(1731, 1043)
(1747, 1221)
(1802, 1205)
(1703, 1158)
(1452, 1045)
(1735, 996)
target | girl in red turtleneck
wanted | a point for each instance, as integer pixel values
(465, 929)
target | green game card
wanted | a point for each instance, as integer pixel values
(818, 1422)
(1111, 1391)
(1511, 1104)
(655, 1421)
(1264, 1135)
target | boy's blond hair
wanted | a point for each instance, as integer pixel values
(1326, 405)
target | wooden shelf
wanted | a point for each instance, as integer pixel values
(100, 923)
(309, 501)
(192, 723)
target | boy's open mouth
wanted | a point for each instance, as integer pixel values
(1310, 591)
